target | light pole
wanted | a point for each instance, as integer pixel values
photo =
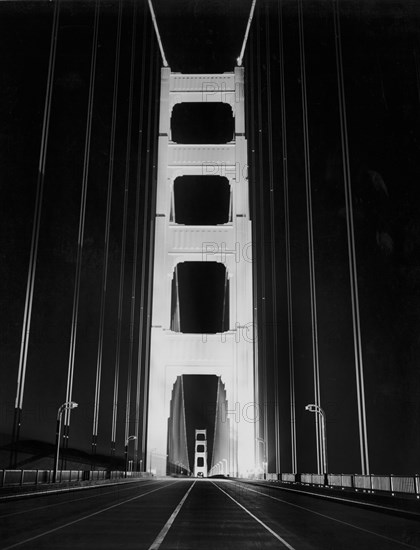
(68, 405)
(129, 438)
(318, 410)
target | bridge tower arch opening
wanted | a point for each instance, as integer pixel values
(219, 164)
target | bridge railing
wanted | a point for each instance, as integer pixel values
(371, 483)
(35, 477)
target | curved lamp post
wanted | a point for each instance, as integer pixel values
(318, 410)
(129, 438)
(68, 405)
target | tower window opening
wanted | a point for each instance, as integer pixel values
(201, 200)
(200, 123)
(200, 298)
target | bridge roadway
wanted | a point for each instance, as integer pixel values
(197, 514)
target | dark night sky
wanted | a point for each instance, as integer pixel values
(381, 51)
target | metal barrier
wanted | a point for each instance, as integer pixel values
(318, 479)
(34, 477)
(403, 484)
(393, 484)
(361, 482)
(288, 477)
(380, 483)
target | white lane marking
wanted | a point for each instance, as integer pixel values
(145, 484)
(278, 537)
(329, 517)
(340, 499)
(83, 518)
(159, 539)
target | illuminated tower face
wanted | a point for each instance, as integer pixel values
(208, 246)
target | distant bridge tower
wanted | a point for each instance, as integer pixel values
(200, 453)
(227, 353)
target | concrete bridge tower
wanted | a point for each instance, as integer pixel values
(200, 453)
(227, 353)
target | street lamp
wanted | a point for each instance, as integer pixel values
(68, 405)
(318, 410)
(129, 438)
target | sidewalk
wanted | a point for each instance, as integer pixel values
(22, 491)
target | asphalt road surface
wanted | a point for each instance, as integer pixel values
(197, 514)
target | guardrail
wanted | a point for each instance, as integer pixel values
(34, 477)
(394, 484)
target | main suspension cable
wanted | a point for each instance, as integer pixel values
(162, 53)
(248, 26)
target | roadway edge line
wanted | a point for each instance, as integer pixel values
(333, 519)
(16, 544)
(350, 501)
(278, 537)
(164, 531)
(20, 512)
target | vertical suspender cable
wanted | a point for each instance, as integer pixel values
(253, 194)
(416, 63)
(140, 180)
(273, 245)
(261, 219)
(314, 321)
(122, 260)
(136, 225)
(361, 408)
(27, 316)
(287, 240)
(107, 232)
(151, 180)
(82, 215)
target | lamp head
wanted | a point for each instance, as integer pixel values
(73, 405)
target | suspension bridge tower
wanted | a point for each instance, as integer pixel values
(228, 352)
